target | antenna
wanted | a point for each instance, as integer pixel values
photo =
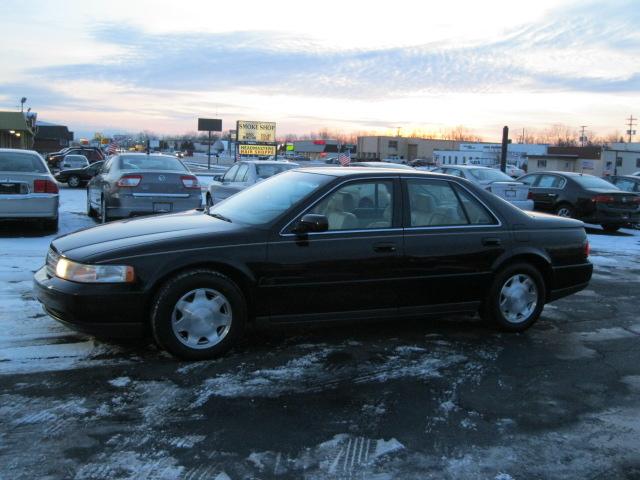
(583, 138)
(632, 123)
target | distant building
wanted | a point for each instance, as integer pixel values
(17, 130)
(621, 158)
(488, 154)
(51, 138)
(568, 159)
(316, 149)
(402, 149)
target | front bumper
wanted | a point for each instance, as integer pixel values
(32, 205)
(108, 310)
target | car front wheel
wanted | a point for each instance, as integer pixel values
(198, 314)
(516, 298)
(73, 181)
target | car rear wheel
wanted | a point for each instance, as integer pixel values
(198, 314)
(565, 210)
(74, 181)
(90, 211)
(516, 298)
(611, 228)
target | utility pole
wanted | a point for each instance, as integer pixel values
(582, 137)
(632, 123)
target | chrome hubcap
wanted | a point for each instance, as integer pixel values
(564, 212)
(201, 318)
(74, 182)
(518, 298)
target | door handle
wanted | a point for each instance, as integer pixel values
(384, 247)
(491, 242)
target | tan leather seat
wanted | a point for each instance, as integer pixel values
(337, 217)
(422, 208)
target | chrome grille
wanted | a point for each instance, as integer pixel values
(52, 262)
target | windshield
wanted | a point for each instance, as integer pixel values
(269, 170)
(264, 201)
(588, 181)
(489, 175)
(151, 162)
(21, 162)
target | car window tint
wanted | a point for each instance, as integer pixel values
(21, 162)
(551, 181)
(489, 175)
(243, 173)
(625, 184)
(358, 206)
(529, 179)
(433, 204)
(228, 177)
(151, 162)
(476, 212)
(455, 171)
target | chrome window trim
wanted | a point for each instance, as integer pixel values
(323, 196)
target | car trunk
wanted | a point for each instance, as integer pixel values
(19, 183)
(159, 182)
(510, 190)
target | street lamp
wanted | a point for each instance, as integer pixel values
(22, 102)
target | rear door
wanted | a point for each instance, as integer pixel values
(547, 190)
(451, 240)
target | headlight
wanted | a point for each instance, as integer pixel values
(78, 272)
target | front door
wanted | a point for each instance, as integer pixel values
(451, 241)
(349, 271)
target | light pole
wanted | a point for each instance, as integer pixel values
(22, 102)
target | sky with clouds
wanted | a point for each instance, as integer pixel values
(135, 65)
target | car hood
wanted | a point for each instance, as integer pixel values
(148, 235)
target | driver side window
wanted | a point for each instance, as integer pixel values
(358, 206)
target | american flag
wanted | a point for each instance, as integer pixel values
(112, 148)
(344, 159)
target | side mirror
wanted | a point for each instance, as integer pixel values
(217, 178)
(312, 223)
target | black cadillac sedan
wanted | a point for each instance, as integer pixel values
(310, 245)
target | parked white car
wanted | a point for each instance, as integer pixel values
(74, 161)
(493, 180)
(27, 188)
(514, 172)
(242, 175)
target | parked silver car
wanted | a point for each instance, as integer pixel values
(132, 184)
(493, 180)
(27, 188)
(243, 174)
(74, 161)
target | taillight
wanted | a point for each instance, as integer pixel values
(45, 186)
(587, 248)
(190, 181)
(530, 195)
(129, 180)
(603, 199)
(635, 199)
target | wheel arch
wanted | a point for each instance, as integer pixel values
(538, 259)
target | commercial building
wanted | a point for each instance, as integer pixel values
(51, 138)
(488, 154)
(402, 149)
(316, 149)
(568, 159)
(621, 158)
(17, 129)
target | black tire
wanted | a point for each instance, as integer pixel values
(74, 181)
(491, 311)
(209, 200)
(565, 210)
(90, 210)
(50, 225)
(104, 216)
(611, 228)
(165, 300)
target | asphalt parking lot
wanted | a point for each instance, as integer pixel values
(442, 399)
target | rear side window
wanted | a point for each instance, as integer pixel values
(434, 204)
(21, 162)
(551, 181)
(529, 179)
(242, 174)
(476, 212)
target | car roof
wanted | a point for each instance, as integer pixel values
(359, 171)
(18, 150)
(566, 174)
(467, 167)
(267, 162)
